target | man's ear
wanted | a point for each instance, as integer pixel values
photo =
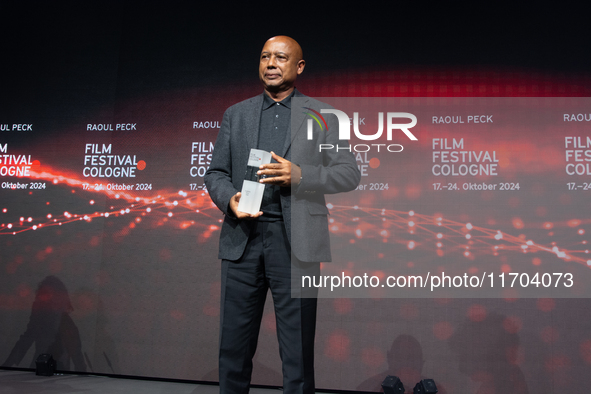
(301, 65)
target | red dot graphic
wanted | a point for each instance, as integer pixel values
(477, 313)
(585, 349)
(443, 330)
(141, 165)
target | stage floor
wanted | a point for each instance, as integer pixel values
(24, 382)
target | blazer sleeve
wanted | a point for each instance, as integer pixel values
(218, 177)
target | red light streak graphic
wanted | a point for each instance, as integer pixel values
(168, 207)
(436, 233)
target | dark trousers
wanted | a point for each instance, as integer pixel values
(266, 264)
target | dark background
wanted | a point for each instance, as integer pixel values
(144, 302)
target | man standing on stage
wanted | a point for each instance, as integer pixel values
(289, 236)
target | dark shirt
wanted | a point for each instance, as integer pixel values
(275, 120)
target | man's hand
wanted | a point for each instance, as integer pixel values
(239, 214)
(283, 173)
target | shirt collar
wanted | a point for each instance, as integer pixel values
(268, 102)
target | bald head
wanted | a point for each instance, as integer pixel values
(280, 63)
(293, 44)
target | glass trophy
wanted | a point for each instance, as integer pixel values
(252, 190)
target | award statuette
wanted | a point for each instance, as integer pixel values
(252, 190)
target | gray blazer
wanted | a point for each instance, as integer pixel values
(303, 207)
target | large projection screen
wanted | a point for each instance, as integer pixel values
(108, 238)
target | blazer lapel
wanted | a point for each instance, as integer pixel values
(253, 122)
(297, 119)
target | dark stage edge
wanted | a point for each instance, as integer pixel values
(26, 382)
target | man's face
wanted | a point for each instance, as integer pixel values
(280, 64)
